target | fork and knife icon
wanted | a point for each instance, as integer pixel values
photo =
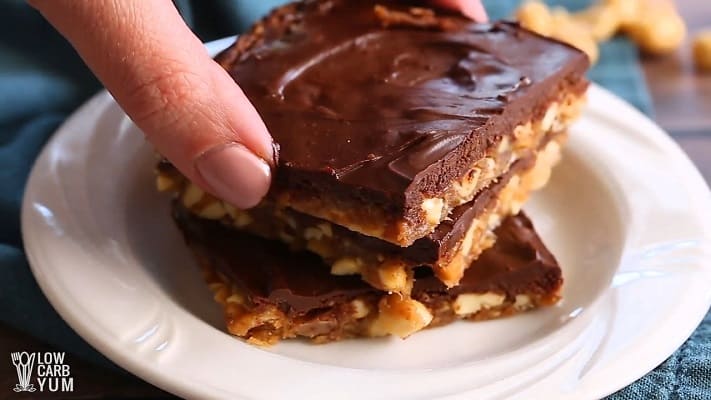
(24, 363)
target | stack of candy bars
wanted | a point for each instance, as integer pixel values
(409, 139)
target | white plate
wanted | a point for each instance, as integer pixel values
(626, 213)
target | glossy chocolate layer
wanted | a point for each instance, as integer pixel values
(372, 101)
(299, 282)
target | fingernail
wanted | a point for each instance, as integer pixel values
(235, 174)
(475, 10)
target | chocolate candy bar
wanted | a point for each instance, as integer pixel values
(270, 293)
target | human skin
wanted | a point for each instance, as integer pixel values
(186, 104)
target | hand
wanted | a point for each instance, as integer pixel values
(186, 104)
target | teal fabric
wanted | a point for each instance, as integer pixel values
(42, 80)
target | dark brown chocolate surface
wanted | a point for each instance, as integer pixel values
(387, 114)
(299, 282)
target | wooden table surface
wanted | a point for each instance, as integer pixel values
(682, 101)
(682, 95)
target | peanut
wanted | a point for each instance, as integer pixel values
(400, 316)
(536, 16)
(471, 303)
(601, 20)
(702, 50)
(659, 30)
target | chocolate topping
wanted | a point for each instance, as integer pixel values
(265, 269)
(299, 282)
(518, 263)
(429, 249)
(377, 100)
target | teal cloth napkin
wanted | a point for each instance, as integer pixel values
(42, 81)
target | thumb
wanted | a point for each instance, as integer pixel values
(186, 104)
